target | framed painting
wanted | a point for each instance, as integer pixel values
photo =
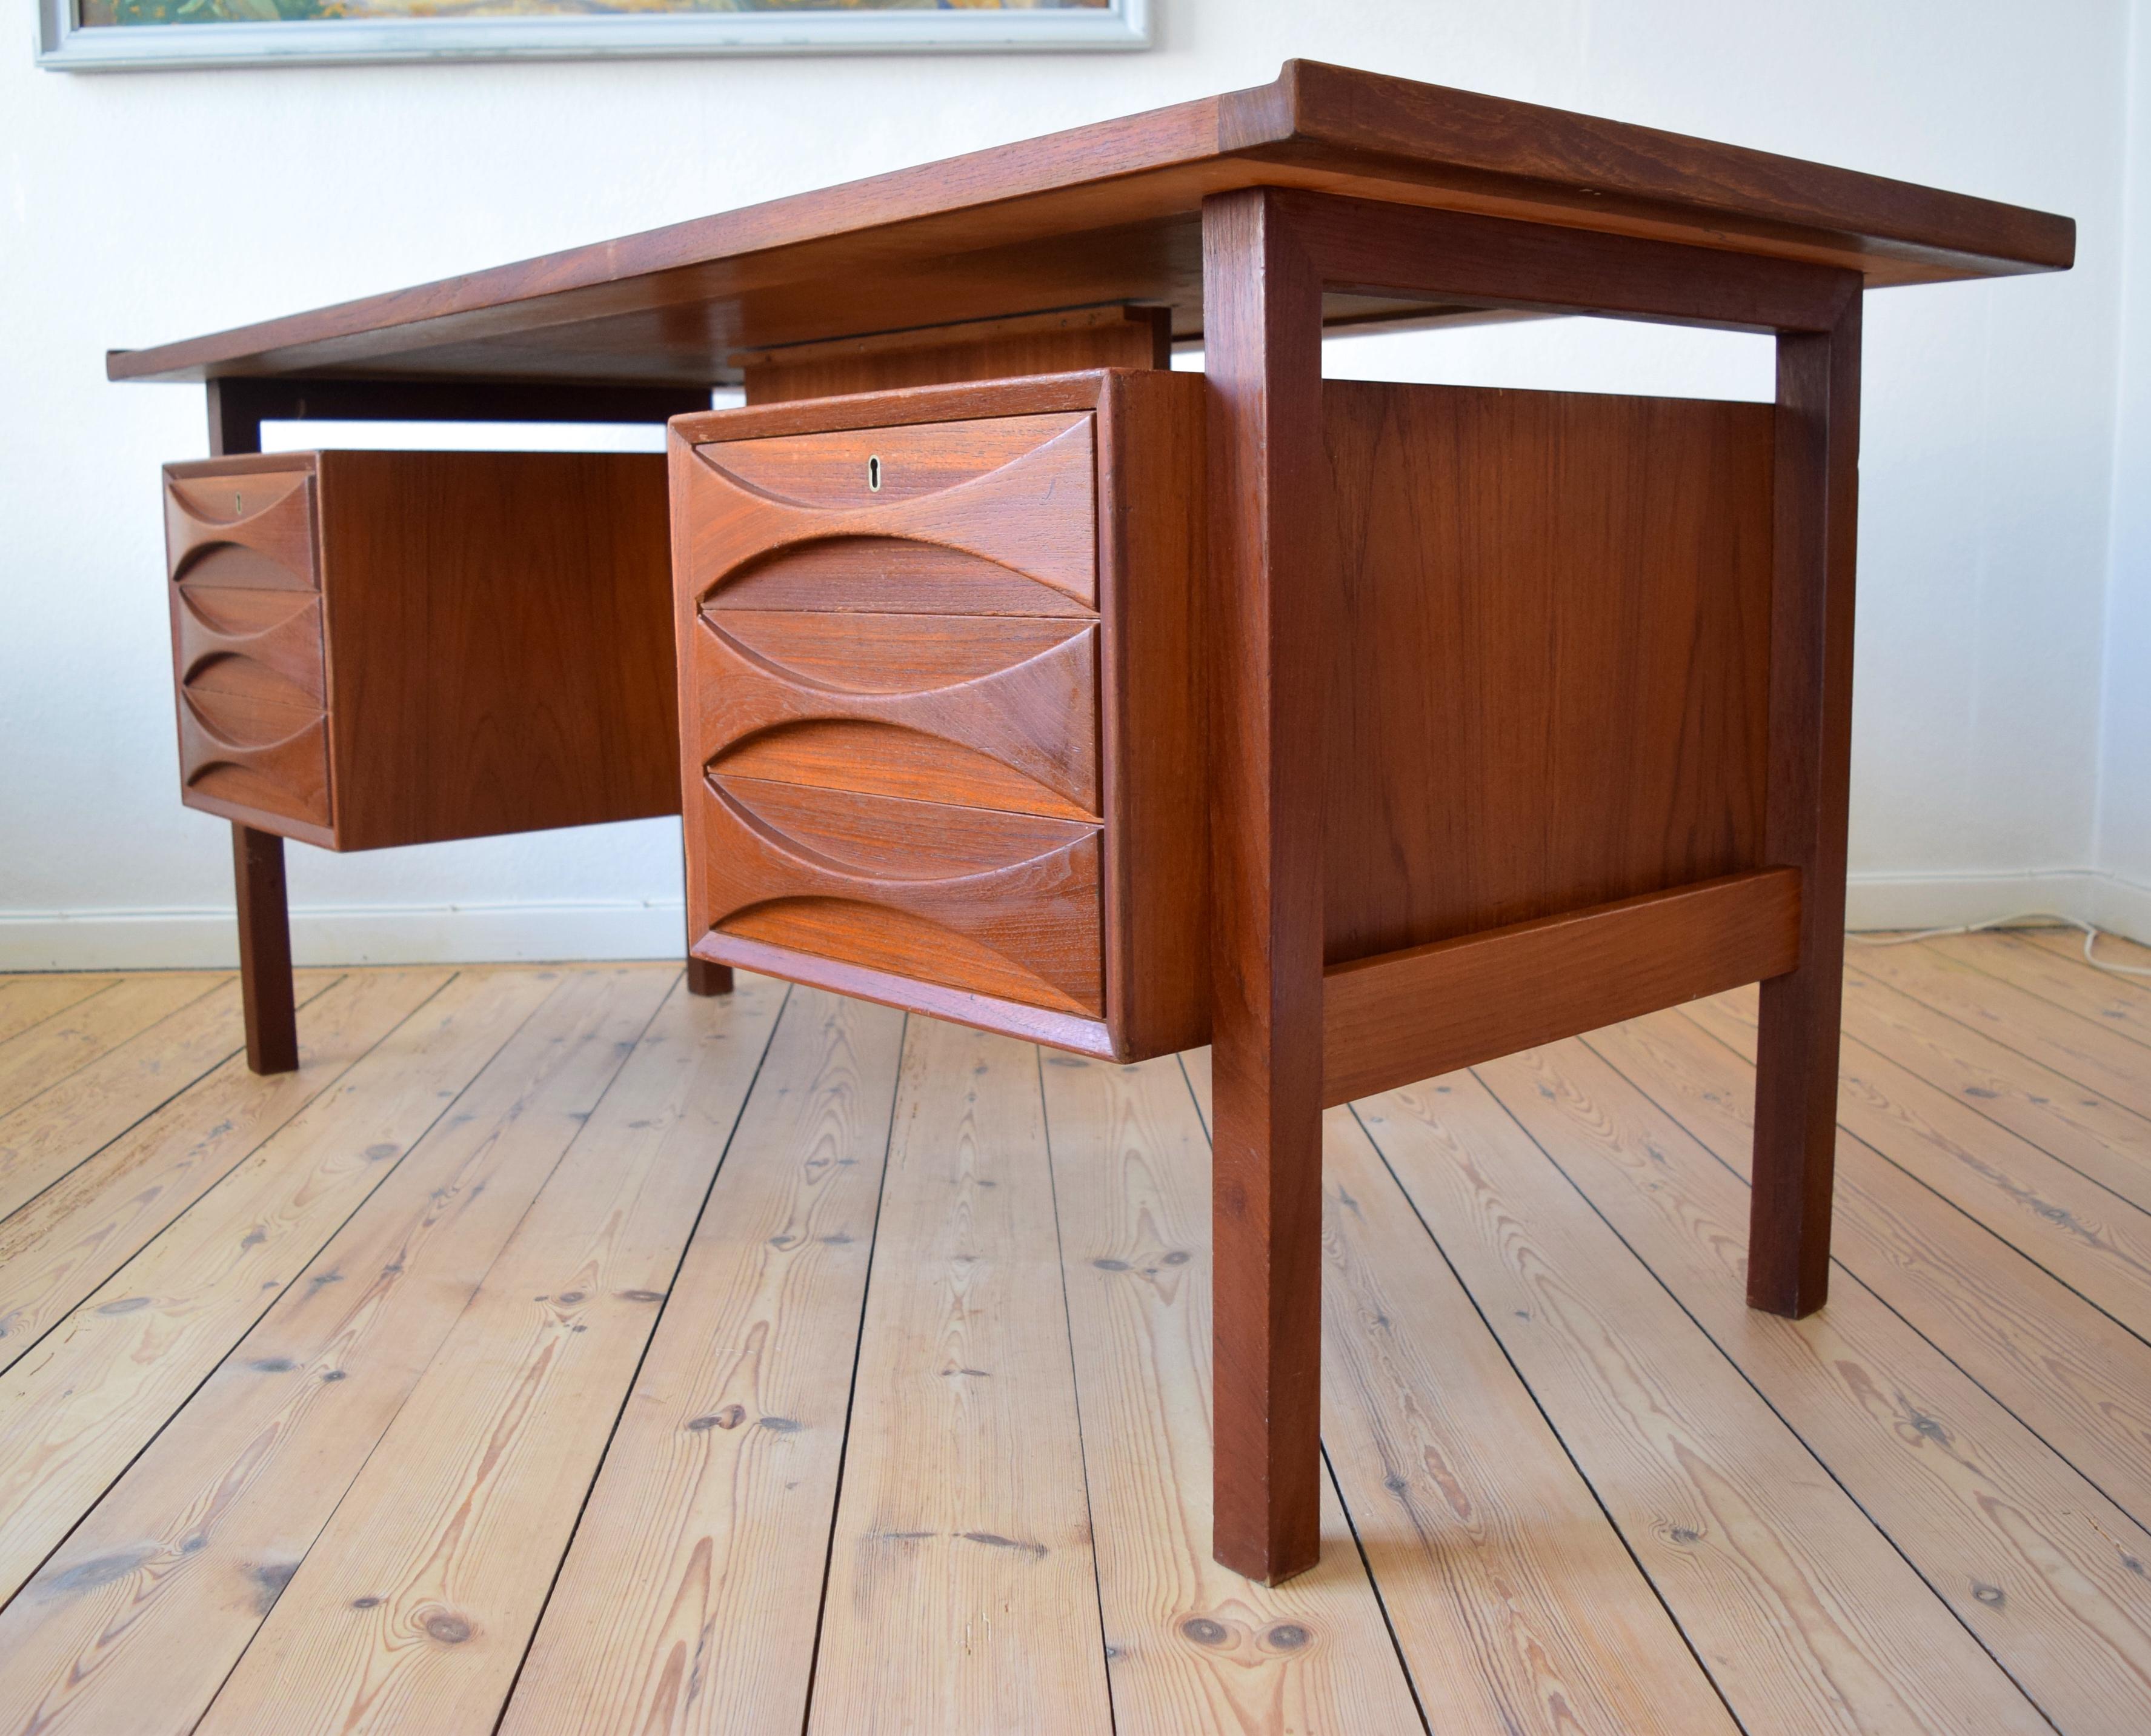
(137, 35)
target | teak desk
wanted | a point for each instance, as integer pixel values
(1517, 713)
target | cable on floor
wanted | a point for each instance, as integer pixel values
(2091, 937)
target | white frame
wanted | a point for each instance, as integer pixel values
(64, 46)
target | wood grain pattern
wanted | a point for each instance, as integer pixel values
(2025, 1336)
(499, 650)
(109, 1199)
(2028, 1556)
(44, 1139)
(418, 1599)
(2094, 1241)
(2109, 947)
(1154, 566)
(122, 1361)
(268, 992)
(258, 644)
(1989, 1424)
(489, 652)
(874, 837)
(2095, 1137)
(1107, 213)
(28, 1000)
(55, 1048)
(1508, 1624)
(1450, 1469)
(1548, 670)
(873, 652)
(1191, 1648)
(870, 756)
(134, 1623)
(2031, 961)
(1038, 343)
(1400, 1016)
(244, 758)
(1810, 1618)
(689, 1600)
(1363, 247)
(245, 527)
(1011, 492)
(964, 1507)
(1026, 931)
(1815, 542)
(2090, 1051)
(1035, 716)
(1273, 600)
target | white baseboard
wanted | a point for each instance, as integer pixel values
(374, 934)
(1939, 901)
(633, 929)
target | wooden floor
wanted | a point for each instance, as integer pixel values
(556, 1353)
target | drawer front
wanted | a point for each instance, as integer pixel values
(1003, 904)
(255, 754)
(980, 518)
(263, 644)
(979, 711)
(252, 529)
(891, 667)
(248, 657)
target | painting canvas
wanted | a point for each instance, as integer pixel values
(85, 35)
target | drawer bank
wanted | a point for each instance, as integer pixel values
(941, 676)
(1369, 730)
(377, 648)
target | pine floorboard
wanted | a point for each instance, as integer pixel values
(557, 1351)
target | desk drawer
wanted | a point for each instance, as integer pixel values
(993, 711)
(941, 701)
(242, 525)
(376, 648)
(1003, 904)
(255, 754)
(975, 517)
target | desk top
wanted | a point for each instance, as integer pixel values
(1108, 213)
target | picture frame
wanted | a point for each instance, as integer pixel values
(317, 32)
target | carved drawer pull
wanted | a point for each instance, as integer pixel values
(1038, 718)
(1038, 917)
(269, 513)
(265, 645)
(1035, 516)
(265, 756)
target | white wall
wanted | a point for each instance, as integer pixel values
(145, 207)
(2124, 819)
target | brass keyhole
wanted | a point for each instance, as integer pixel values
(238, 503)
(873, 475)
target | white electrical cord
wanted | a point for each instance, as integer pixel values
(2090, 933)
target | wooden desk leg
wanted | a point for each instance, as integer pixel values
(265, 951)
(1817, 484)
(1263, 354)
(703, 977)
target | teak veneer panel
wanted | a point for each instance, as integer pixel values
(1549, 671)
(1108, 213)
